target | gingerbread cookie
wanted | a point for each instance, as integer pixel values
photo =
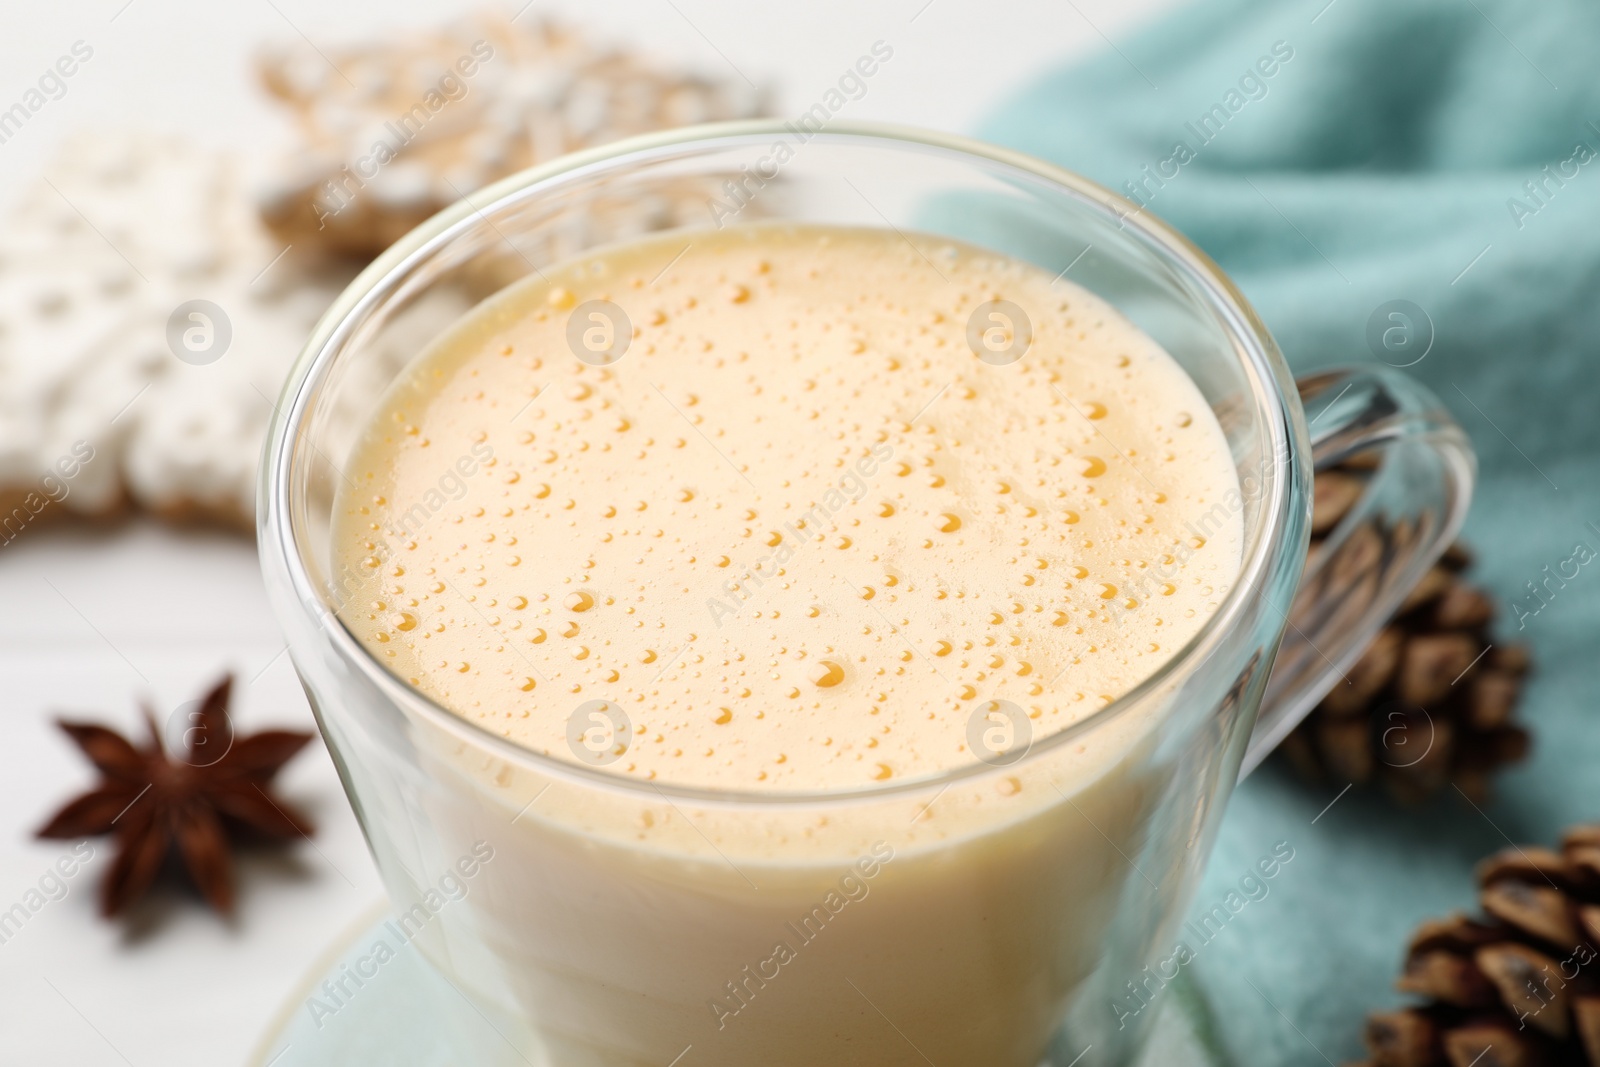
(390, 134)
(147, 322)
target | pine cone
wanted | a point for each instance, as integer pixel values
(1515, 989)
(1426, 706)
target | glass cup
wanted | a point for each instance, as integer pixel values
(996, 915)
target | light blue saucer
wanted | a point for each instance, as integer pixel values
(407, 1014)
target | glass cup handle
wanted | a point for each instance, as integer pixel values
(1408, 510)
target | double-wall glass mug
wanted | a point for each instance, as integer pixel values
(596, 920)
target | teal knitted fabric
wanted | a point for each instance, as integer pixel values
(1335, 159)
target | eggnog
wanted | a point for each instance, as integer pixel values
(791, 510)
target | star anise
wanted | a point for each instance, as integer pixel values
(217, 787)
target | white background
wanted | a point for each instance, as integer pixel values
(93, 619)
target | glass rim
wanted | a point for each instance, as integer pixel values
(1274, 401)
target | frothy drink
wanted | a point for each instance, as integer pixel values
(783, 510)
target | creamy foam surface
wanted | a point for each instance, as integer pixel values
(799, 536)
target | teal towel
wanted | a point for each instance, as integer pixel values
(1336, 159)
